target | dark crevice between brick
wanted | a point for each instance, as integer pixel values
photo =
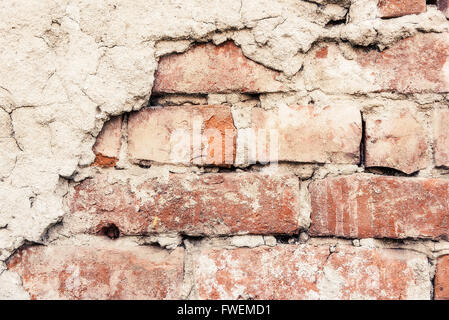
(442, 167)
(111, 231)
(366, 49)
(157, 99)
(287, 239)
(11, 260)
(362, 143)
(431, 2)
(190, 238)
(385, 171)
(334, 23)
(46, 234)
(433, 289)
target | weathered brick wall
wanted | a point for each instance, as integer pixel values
(300, 152)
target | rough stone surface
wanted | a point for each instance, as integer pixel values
(308, 272)
(397, 8)
(71, 272)
(368, 206)
(305, 134)
(191, 134)
(396, 139)
(11, 287)
(210, 204)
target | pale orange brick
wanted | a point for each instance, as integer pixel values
(100, 272)
(207, 68)
(203, 135)
(397, 8)
(441, 287)
(108, 143)
(418, 64)
(209, 204)
(441, 135)
(308, 134)
(396, 139)
(369, 206)
(311, 272)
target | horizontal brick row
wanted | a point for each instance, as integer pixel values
(369, 206)
(206, 135)
(282, 272)
(415, 64)
(354, 206)
(100, 272)
(311, 272)
(209, 204)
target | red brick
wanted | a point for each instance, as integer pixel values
(443, 5)
(210, 204)
(397, 8)
(419, 64)
(70, 272)
(207, 68)
(441, 286)
(441, 134)
(396, 139)
(310, 272)
(369, 206)
(152, 135)
(310, 134)
(107, 146)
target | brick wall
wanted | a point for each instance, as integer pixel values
(240, 181)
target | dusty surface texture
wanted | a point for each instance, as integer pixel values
(356, 92)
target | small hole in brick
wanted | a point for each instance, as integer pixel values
(111, 231)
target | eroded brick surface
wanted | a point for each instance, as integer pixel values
(369, 206)
(308, 134)
(311, 272)
(396, 139)
(441, 289)
(412, 65)
(397, 8)
(207, 68)
(81, 272)
(209, 204)
(183, 134)
(441, 135)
